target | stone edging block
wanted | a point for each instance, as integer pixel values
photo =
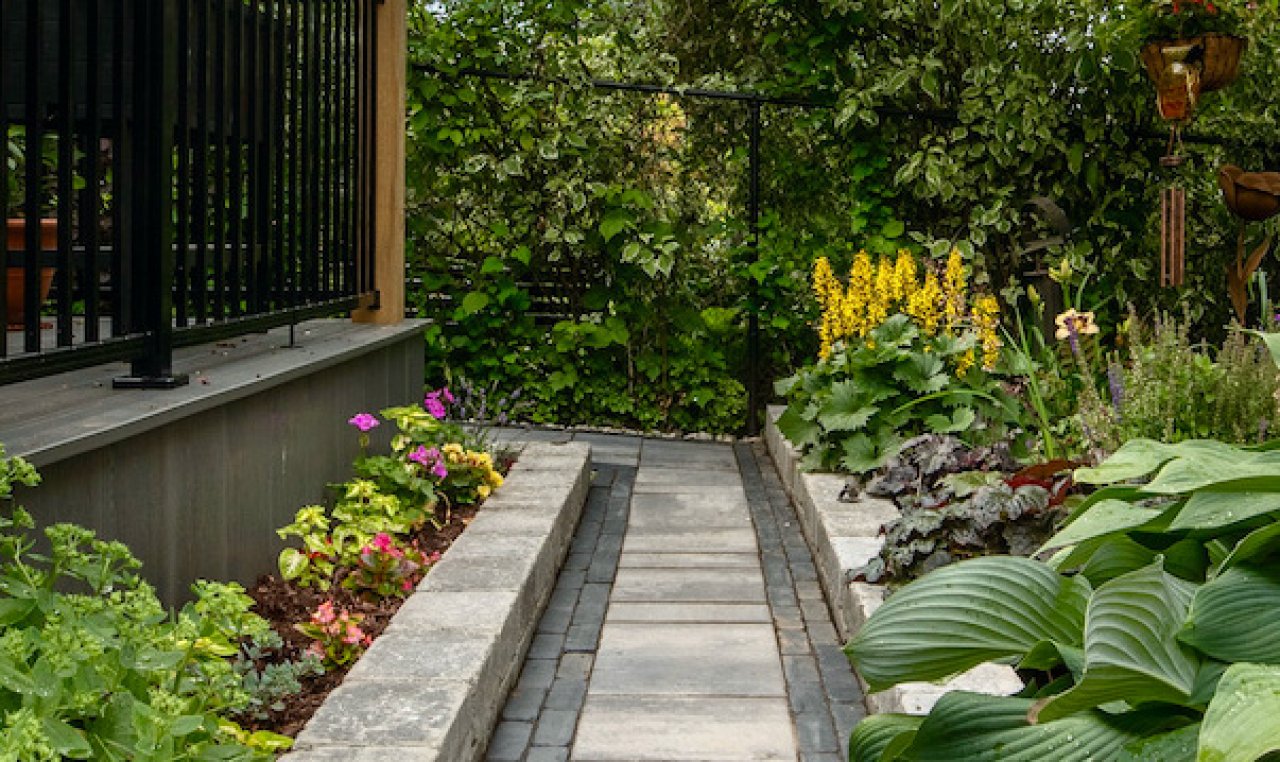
(844, 536)
(432, 687)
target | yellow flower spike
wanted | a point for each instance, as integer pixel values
(905, 276)
(965, 362)
(881, 295)
(986, 318)
(858, 297)
(923, 306)
(954, 288)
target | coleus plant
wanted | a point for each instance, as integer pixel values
(1153, 633)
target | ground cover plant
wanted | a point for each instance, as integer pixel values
(902, 353)
(93, 666)
(1150, 633)
(959, 502)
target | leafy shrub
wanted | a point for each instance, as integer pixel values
(336, 634)
(959, 502)
(1171, 389)
(1153, 633)
(92, 666)
(392, 495)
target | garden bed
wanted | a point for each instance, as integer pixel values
(432, 686)
(844, 537)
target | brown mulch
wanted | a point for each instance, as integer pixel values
(284, 605)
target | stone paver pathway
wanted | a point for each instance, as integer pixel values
(687, 623)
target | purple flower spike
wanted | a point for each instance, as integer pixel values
(364, 421)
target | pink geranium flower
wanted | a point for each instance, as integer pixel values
(364, 421)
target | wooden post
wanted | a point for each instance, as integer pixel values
(389, 170)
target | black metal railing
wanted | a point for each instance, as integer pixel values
(199, 168)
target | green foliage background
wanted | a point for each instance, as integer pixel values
(946, 117)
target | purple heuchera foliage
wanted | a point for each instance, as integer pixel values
(364, 421)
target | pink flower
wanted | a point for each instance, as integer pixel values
(434, 406)
(354, 635)
(324, 613)
(448, 395)
(439, 470)
(382, 541)
(364, 421)
(316, 649)
(421, 456)
(406, 585)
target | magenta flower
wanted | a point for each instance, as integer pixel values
(382, 541)
(422, 456)
(447, 395)
(439, 470)
(364, 421)
(434, 406)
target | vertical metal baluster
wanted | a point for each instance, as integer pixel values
(249, 101)
(236, 143)
(90, 196)
(34, 202)
(200, 168)
(181, 276)
(295, 142)
(4, 183)
(277, 153)
(66, 172)
(324, 65)
(310, 178)
(371, 260)
(122, 317)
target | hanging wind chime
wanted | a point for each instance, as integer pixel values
(1182, 70)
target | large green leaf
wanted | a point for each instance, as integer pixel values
(1242, 723)
(881, 737)
(1102, 519)
(1114, 557)
(1209, 509)
(965, 614)
(1175, 746)
(977, 728)
(798, 429)
(1112, 492)
(1140, 457)
(1131, 649)
(847, 409)
(1219, 468)
(1272, 341)
(1258, 543)
(1236, 616)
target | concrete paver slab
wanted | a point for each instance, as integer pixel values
(689, 561)
(684, 728)
(705, 541)
(688, 659)
(689, 585)
(622, 611)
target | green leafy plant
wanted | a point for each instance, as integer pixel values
(958, 502)
(1172, 389)
(268, 678)
(1150, 634)
(91, 665)
(854, 409)
(386, 569)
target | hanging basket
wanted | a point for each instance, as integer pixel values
(1217, 56)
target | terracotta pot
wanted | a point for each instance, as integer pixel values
(17, 241)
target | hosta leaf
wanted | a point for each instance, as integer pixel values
(1232, 469)
(1208, 509)
(1175, 746)
(977, 728)
(1242, 723)
(1236, 616)
(1102, 519)
(1272, 342)
(1113, 492)
(1140, 457)
(965, 614)
(1117, 556)
(1131, 652)
(882, 737)
(1256, 544)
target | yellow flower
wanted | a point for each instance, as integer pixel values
(483, 491)
(954, 287)
(904, 276)
(858, 296)
(986, 318)
(923, 305)
(1083, 322)
(453, 448)
(830, 293)
(882, 295)
(965, 362)
(495, 479)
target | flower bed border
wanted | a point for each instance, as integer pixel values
(843, 537)
(432, 687)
